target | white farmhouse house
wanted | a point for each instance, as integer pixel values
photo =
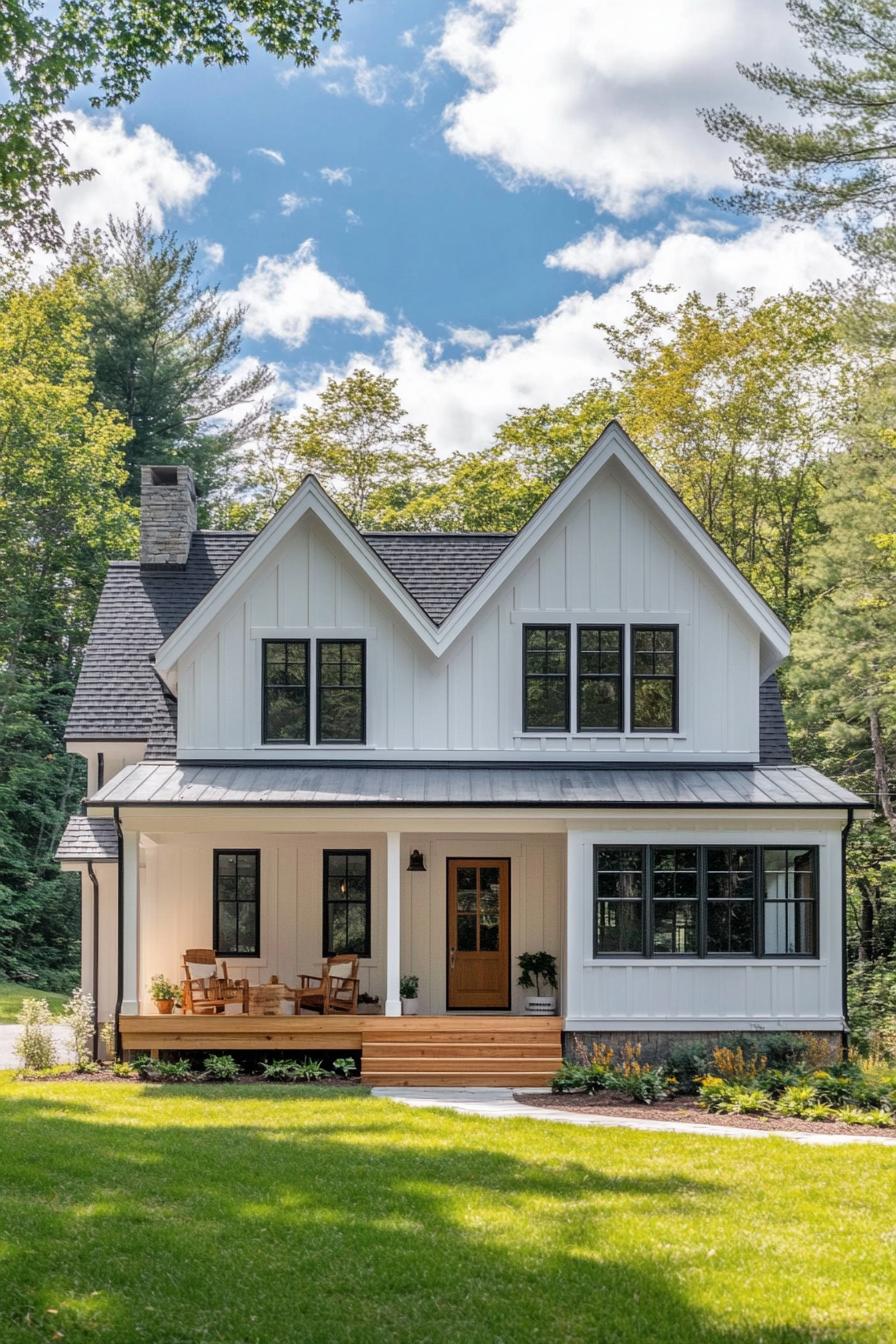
(428, 754)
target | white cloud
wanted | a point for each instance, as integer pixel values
(290, 202)
(284, 296)
(602, 254)
(134, 168)
(464, 399)
(213, 253)
(471, 338)
(273, 155)
(352, 218)
(342, 73)
(407, 38)
(604, 102)
(333, 175)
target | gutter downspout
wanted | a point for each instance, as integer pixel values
(95, 969)
(120, 987)
(844, 837)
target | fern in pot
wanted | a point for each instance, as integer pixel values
(537, 970)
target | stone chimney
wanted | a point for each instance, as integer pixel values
(167, 516)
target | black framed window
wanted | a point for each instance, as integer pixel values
(237, 902)
(789, 902)
(599, 677)
(618, 900)
(730, 900)
(742, 901)
(654, 676)
(546, 678)
(285, 697)
(341, 675)
(676, 901)
(346, 902)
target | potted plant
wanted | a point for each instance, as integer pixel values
(408, 990)
(164, 994)
(536, 967)
(369, 1005)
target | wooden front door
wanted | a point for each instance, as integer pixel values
(478, 933)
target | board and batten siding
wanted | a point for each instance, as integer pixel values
(713, 993)
(176, 909)
(611, 558)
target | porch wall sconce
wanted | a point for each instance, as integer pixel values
(416, 863)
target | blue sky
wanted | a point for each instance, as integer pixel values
(458, 192)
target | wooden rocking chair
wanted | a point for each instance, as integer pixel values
(333, 991)
(205, 989)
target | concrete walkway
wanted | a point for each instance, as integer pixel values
(9, 1034)
(498, 1103)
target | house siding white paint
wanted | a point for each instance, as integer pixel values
(610, 558)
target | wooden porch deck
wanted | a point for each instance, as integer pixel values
(446, 1051)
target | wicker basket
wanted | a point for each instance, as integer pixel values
(264, 1000)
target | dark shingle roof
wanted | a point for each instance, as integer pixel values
(119, 695)
(774, 744)
(438, 568)
(88, 838)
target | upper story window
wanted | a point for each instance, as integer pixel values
(654, 672)
(340, 691)
(546, 678)
(600, 698)
(285, 694)
(705, 901)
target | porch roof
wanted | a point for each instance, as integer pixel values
(93, 838)
(354, 784)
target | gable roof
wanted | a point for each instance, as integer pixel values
(119, 696)
(613, 445)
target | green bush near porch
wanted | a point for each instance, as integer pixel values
(239, 1215)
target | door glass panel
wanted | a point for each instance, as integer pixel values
(466, 932)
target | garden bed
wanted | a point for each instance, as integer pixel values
(103, 1075)
(687, 1111)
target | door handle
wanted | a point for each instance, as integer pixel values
(452, 956)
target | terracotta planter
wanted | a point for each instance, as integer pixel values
(165, 1005)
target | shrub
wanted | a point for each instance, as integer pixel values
(796, 1101)
(311, 1071)
(783, 1050)
(688, 1063)
(122, 1069)
(279, 1070)
(345, 1065)
(571, 1078)
(882, 1119)
(108, 1037)
(724, 1097)
(78, 1016)
(163, 1070)
(408, 986)
(35, 1048)
(220, 1068)
(734, 1065)
(642, 1082)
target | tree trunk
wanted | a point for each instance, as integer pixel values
(881, 771)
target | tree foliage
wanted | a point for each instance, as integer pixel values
(48, 51)
(356, 438)
(61, 519)
(164, 351)
(838, 157)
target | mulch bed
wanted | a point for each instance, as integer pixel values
(686, 1110)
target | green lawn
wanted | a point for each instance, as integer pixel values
(12, 994)
(237, 1215)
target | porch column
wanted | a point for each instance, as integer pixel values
(393, 924)
(130, 898)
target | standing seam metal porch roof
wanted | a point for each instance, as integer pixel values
(350, 785)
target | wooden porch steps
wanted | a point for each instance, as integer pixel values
(461, 1052)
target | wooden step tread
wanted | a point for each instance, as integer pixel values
(410, 1079)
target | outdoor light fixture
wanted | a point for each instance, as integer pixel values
(416, 863)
